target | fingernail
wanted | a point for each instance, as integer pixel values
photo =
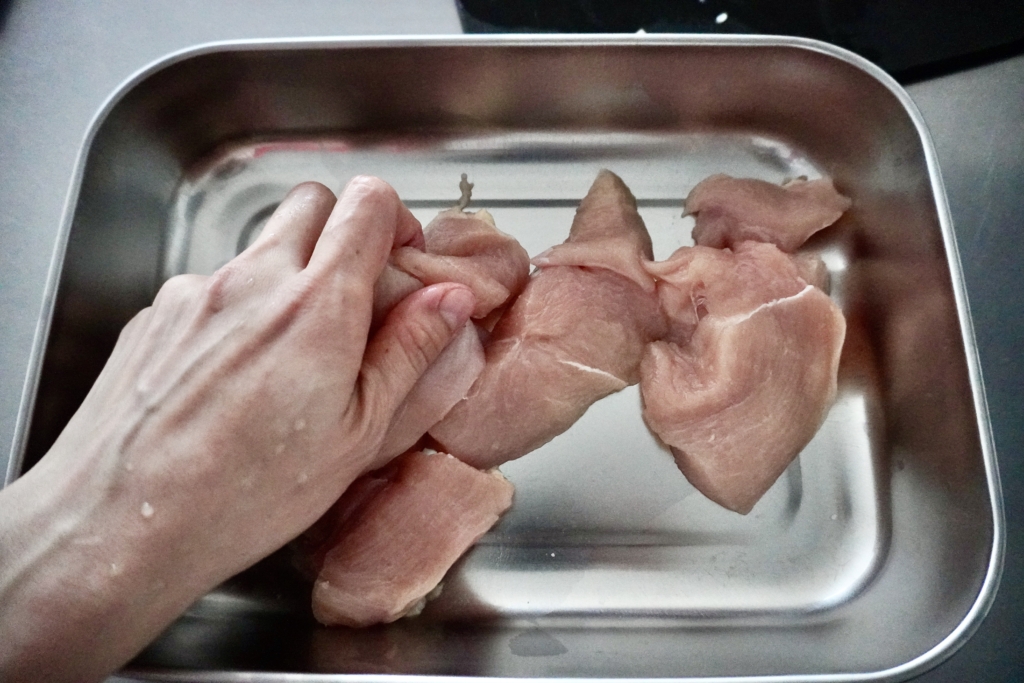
(456, 305)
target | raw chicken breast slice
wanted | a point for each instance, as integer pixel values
(574, 335)
(748, 390)
(395, 548)
(309, 549)
(613, 236)
(696, 281)
(729, 210)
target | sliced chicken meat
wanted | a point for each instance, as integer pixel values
(750, 371)
(575, 334)
(607, 233)
(730, 210)
(393, 547)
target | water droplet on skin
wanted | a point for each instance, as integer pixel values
(300, 424)
(89, 540)
(114, 569)
(147, 510)
(249, 281)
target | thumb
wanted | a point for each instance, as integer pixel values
(412, 336)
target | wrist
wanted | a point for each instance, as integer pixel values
(84, 578)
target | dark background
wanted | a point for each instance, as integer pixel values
(911, 39)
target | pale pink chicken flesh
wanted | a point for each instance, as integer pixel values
(730, 210)
(750, 373)
(575, 334)
(739, 367)
(607, 233)
(395, 545)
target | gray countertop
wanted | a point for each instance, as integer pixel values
(976, 119)
(59, 61)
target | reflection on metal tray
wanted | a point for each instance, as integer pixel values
(874, 555)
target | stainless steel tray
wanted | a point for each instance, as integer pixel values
(873, 557)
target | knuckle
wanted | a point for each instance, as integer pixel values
(218, 287)
(178, 289)
(322, 301)
(304, 201)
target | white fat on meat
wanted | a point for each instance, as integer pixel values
(750, 373)
(575, 335)
(730, 210)
(395, 545)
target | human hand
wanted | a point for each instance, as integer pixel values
(232, 413)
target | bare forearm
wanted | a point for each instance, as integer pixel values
(82, 584)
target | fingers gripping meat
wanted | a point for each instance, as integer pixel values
(575, 334)
(388, 542)
(731, 210)
(467, 248)
(446, 382)
(460, 247)
(740, 399)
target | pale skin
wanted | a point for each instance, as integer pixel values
(232, 413)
